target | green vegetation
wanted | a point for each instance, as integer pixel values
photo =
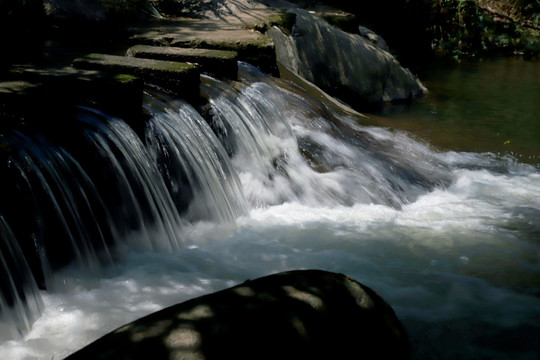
(417, 29)
(464, 28)
(284, 20)
(413, 29)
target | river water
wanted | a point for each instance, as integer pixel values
(443, 223)
(484, 105)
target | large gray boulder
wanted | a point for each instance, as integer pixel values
(308, 314)
(374, 38)
(345, 65)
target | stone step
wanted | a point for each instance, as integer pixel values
(33, 96)
(218, 63)
(251, 46)
(179, 78)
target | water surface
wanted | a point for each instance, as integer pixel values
(450, 239)
(487, 105)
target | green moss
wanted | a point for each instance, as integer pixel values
(131, 64)
(284, 20)
(125, 78)
(344, 21)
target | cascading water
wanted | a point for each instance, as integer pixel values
(286, 150)
(145, 200)
(192, 161)
(272, 180)
(20, 303)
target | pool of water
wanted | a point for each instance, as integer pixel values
(488, 105)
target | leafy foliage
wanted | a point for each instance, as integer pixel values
(457, 27)
(415, 29)
(468, 27)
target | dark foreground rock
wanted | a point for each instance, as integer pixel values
(307, 314)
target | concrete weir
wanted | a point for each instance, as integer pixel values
(56, 91)
(177, 77)
(227, 34)
(115, 83)
(219, 63)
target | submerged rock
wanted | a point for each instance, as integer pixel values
(309, 314)
(348, 66)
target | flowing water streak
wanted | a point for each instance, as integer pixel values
(21, 302)
(288, 150)
(156, 215)
(450, 240)
(63, 195)
(181, 141)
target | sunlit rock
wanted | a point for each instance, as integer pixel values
(309, 314)
(220, 63)
(177, 77)
(348, 66)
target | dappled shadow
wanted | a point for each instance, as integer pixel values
(239, 11)
(301, 314)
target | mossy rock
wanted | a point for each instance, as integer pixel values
(259, 52)
(177, 77)
(219, 63)
(55, 93)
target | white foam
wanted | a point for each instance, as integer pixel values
(449, 240)
(432, 260)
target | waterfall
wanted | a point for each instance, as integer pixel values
(114, 186)
(105, 190)
(53, 205)
(144, 202)
(262, 176)
(197, 170)
(20, 304)
(287, 147)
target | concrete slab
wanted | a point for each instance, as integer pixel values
(28, 93)
(219, 63)
(251, 45)
(176, 77)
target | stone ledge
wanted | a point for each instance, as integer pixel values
(251, 46)
(28, 95)
(219, 63)
(179, 78)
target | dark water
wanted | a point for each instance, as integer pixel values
(490, 105)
